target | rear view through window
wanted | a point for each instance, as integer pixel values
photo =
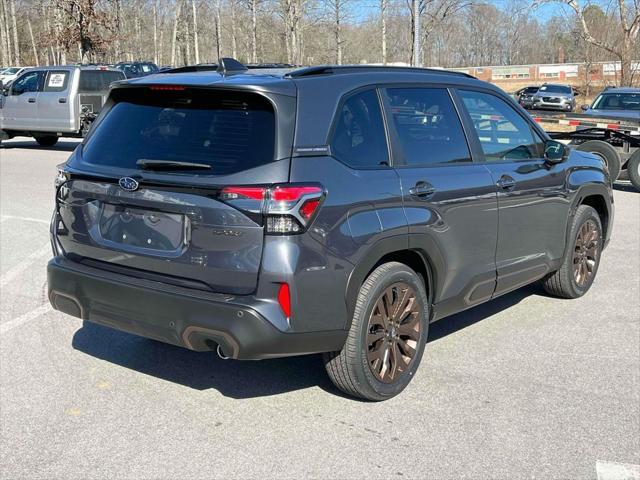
(217, 133)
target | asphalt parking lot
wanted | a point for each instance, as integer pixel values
(526, 386)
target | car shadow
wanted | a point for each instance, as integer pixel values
(624, 187)
(61, 146)
(245, 379)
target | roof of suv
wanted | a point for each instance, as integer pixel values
(621, 90)
(317, 90)
(288, 81)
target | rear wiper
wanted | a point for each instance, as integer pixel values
(170, 165)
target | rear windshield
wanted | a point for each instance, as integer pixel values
(230, 131)
(98, 80)
(618, 101)
(555, 89)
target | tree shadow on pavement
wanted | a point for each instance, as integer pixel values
(244, 379)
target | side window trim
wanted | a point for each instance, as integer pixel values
(336, 119)
(397, 154)
(468, 121)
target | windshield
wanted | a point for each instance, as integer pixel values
(10, 71)
(555, 89)
(228, 131)
(617, 101)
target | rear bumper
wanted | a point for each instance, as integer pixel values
(192, 319)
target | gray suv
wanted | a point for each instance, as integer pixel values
(555, 97)
(334, 210)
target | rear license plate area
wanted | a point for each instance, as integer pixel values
(136, 228)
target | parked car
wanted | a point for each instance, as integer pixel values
(622, 103)
(554, 97)
(324, 209)
(8, 75)
(137, 69)
(50, 102)
(525, 96)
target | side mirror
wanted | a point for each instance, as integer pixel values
(555, 152)
(584, 107)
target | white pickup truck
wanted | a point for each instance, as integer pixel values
(51, 102)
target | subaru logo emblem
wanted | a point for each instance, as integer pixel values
(128, 184)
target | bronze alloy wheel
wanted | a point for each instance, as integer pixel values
(585, 253)
(393, 332)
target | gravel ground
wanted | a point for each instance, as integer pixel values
(526, 386)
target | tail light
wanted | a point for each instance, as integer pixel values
(288, 208)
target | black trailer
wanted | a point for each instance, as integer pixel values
(615, 140)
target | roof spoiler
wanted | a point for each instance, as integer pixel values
(230, 66)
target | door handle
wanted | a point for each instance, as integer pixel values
(422, 190)
(62, 100)
(506, 182)
(31, 100)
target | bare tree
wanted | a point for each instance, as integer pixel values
(16, 43)
(33, 43)
(629, 28)
(383, 29)
(253, 9)
(175, 32)
(5, 39)
(196, 50)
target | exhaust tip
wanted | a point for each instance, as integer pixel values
(221, 353)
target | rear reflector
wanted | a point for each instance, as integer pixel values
(284, 299)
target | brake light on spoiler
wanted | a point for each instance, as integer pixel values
(288, 208)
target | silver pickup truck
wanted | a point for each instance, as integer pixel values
(51, 102)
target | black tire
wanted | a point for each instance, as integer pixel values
(563, 282)
(47, 140)
(607, 153)
(349, 368)
(633, 169)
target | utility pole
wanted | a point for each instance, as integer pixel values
(416, 33)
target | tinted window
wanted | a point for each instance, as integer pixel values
(29, 82)
(56, 81)
(618, 101)
(503, 133)
(229, 131)
(98, 80)
(428, 127)
(359, 138)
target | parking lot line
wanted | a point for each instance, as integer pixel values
(16, 270)
(617, 471)
(22, 319)
(27, 219)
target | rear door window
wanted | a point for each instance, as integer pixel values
(359, 138)
(229, 131)
(427, 126)
(504, 135)
(56, 81)
(98, 80)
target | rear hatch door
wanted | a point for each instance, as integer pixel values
(149, 192)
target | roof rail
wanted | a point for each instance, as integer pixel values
(337, 69)
(269, 65)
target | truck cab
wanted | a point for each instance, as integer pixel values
(49, 102)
